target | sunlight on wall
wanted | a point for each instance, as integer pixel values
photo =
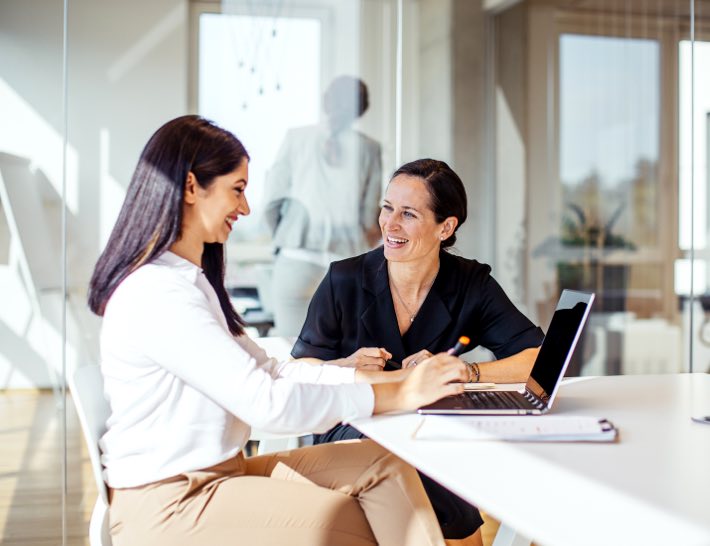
(22, 359)
(16, 309)
(112, 193)
(150, 39)
(38, 141)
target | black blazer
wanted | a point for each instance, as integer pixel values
(353, 308)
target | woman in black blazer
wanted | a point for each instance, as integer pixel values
(398, 304)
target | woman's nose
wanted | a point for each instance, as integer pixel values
(244, 209)
(390, 223)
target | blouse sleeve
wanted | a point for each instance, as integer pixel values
(320, 335)
(503, 328)
(300, 372)
(174, 326)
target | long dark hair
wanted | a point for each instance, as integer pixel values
(150, 220)
(447, 195)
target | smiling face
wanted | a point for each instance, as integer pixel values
(409, 228)
(212, 211)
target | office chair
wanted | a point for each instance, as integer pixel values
(87, 389)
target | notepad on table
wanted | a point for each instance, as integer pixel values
(547, 428)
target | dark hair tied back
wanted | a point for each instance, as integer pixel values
(446, 191)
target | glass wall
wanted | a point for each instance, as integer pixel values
(581, 130)
(309, 88)
(605, 158)
(33, 163)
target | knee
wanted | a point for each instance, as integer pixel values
(385, 459)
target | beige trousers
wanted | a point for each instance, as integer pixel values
(344, 494)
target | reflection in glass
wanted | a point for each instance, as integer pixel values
(323, 199)
(32, 169)
(694, 193)
(609, 123)
(609, 157)
(693, 156)
(269, 73)
(258, 77)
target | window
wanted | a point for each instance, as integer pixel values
(258, 77)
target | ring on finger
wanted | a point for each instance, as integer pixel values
(413, 363)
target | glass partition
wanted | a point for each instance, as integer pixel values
(694, 179)
(600, 136)
(33, 163)
(308, 87)
(581, 130)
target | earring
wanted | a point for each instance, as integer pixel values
(441, 238)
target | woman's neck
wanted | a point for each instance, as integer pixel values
(415, 276)
(189, 249)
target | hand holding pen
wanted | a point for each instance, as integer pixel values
(461, 344)
(474, 372)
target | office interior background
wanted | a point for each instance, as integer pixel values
(581, 130)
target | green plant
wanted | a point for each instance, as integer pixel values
(579, 230)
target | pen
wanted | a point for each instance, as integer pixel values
(461, 344)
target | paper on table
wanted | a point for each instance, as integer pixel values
(548, 428)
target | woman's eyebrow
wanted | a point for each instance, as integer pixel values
(405, 207)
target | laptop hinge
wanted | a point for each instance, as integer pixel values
(535, 400)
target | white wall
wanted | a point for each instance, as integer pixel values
(444, 105)
(127, 75)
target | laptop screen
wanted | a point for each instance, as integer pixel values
(558, 345)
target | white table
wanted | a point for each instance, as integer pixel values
(651, 487)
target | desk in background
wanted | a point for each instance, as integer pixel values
(652, 487)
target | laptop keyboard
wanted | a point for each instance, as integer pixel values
(497, 400)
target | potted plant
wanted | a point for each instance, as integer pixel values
(593, 241)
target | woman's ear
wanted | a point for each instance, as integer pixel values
(448, 227)
(190, 195)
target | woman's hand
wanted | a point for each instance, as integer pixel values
(434, 378)
(416, 358)
(365, 358)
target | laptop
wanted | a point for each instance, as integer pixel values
(546, 375)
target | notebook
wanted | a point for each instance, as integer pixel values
(548, 428)
(547, 372)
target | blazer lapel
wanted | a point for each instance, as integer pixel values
(431, 321)
(433, 318)
(378, 318)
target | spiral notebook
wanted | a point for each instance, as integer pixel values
(549, 428)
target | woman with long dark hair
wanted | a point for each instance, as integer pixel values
(185, 384)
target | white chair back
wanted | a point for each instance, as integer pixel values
(87, 389)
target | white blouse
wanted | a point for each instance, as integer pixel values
(323, 211)
(184, 392)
